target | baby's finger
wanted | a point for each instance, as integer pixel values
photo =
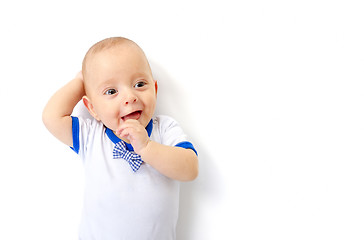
(122, 131)
(130, 123)
(125, 134)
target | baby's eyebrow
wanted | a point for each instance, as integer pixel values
(140, 74)
(113, 81)
(106, 83)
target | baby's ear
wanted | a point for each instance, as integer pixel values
(90, 107)
(156, 86)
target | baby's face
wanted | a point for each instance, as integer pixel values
(120, 86)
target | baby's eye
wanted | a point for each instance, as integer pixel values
(140, 84)
(110, 92)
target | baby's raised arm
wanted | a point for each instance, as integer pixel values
(57, 112)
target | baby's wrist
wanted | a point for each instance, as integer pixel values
(144, 151)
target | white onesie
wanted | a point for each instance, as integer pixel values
(119, 203)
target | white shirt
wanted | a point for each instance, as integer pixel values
(119, 203)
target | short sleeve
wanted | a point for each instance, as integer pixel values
(75, 134)
(172, 133)
(82, 131)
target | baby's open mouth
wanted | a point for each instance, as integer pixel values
(134, 115)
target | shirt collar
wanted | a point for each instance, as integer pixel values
(115, 139)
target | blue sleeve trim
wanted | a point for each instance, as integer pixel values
(186, 145)
(75, 134)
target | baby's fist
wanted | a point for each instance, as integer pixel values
(133, 131)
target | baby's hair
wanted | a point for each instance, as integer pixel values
(104, 45)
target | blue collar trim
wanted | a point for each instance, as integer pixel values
(115, 139)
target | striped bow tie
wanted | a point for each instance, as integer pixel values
(131, 157)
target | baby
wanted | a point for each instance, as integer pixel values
(133, 161)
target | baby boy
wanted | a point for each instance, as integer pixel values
(133, 160)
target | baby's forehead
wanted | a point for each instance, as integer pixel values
(100, 56)
(118, 58)
(113, 51)
(125, 58)
(121, 51)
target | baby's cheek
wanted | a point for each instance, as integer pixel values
(111, 120)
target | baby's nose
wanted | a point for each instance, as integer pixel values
(130, 101)
(130, 98)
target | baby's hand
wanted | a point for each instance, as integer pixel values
(136, 134)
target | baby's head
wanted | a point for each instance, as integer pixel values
(119, 83)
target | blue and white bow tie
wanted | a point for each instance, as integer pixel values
(131, 157)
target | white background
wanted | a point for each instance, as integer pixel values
(270, 92)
